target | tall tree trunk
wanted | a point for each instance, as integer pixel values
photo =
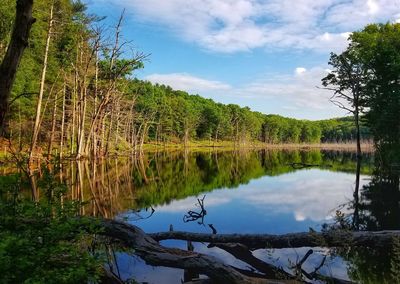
(53, 127)
(12, 58)
(356, 217)
(358, 135)
(81, 138)
(41, 91)
(62, 123)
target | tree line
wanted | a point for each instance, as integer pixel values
(177, 116)
(75, 94)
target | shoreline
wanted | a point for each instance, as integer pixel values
(227, 145)
(366, 147)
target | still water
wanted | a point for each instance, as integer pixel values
(264, 191)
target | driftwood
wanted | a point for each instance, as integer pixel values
(293, 240)
(242, 253)
(147, 247)
(155, 254)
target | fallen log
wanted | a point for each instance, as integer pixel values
(155, 254)
(147, 247)
(335, 238)
(242, 253)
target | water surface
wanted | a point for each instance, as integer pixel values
(241, 192)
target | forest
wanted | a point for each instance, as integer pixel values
(76, 79)
(69, 95)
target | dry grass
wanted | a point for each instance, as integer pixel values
(366, 147)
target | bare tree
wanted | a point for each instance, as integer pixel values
(36, 127)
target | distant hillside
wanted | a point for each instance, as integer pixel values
(176, 115)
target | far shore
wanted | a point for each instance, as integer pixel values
(366, 147)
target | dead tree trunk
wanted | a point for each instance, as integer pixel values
(336, 238)
(154, 254)
(53, 127)
(12, 58)
(147, 247)
(62, 123)
(41, 91)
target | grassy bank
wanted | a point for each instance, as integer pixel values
(229, 145)
(200, 145)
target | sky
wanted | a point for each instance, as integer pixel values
(269, 55)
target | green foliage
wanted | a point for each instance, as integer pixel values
(369, 69)
(204, 172)
(174, 113)
(167, 115)
(45, 241)
(379, 49)
(7, 14)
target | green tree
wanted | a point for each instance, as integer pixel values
(347, 80)
(378, 49)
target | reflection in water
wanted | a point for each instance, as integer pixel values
(247, 192)
(155, 179)
(377, 208)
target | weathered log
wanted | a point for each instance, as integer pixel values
(337, 238)
(242, 253)
(155, 254)
(240, 246)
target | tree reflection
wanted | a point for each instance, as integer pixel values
(145, 180)
(377, 208)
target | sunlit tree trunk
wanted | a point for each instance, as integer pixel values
(36, 127)
(62, 123)
(53, 127)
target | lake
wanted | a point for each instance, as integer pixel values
(263, 191)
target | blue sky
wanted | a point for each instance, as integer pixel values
(269, 55)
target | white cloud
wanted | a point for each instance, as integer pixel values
(189, 203)
(241, 25)
(187, 82)
(373, 7)
(298, 90)
(300, 70)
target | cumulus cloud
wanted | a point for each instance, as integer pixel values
(187, 82)
(298, 90)
(242, 25)
(300, 70)
(294, 91)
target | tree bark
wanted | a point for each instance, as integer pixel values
(12, 58)
(53, 127)
(357, 123)
(154, 254)
(147, 247)
(293, 240)
(41, 91)
(62, 123)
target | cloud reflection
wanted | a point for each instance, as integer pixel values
(306, 195)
